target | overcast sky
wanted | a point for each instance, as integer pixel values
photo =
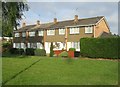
(46, 11)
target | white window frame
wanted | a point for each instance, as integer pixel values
(17, 45)
(17, 34)
(23, 45)
(74, 30)
(50, 32)
(23, 34)
(61, 31)
(32, 33)
(39, 45)
(88, 29)
(40, 33)
(75, 45)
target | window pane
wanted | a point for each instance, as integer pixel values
(40, 33)
(31, 34)
(88, 29)
(16, 34)
(61, 31)
(23, 34)
(50, 32)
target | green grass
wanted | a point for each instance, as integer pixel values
(59, 71)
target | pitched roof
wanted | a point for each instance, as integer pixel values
(81, 22)
(41, 26)
(62, 24)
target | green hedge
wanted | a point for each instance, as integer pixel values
(72, 49)
(99, 47)
(16, 51)
(40, 52)
(29, 51)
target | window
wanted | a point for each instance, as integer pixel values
(74, 30)
(23, 45)
(40, 33)
(75, 45)
(50, 32)
(28, 45)
(33, 45)
(17, 35)
(16, 45)
(61, 31)
(32, 33)
(23, 34)
(88, 29)
(39, 46)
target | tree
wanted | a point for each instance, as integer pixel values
(51, 50)
(12, 13)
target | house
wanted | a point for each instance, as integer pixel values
(64, 34)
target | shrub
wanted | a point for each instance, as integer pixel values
(40, 52)
(14, 51)
(29, 51)
(63, 54)
(72, 49)
(6, 44)
(99, 47)
(51, 50)
(21, 51)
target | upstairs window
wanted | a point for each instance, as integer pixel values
(23, 34)
(88, 29)
(61, 31)
(40, 33)
(17, 35)
(74, 30)
(32, 33)
(50, 32)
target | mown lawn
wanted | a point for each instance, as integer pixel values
(60, 71)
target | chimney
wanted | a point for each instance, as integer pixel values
(23, 24)
(38, 22)
(55, 20)
(76, 18)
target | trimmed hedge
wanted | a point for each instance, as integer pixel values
(63, 54)
(30, 51)
(40, 52)
(72, 49)
(99, 47)
(16, 51)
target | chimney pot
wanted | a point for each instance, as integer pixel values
(38, 22)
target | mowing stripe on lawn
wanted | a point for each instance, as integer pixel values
(20, 72)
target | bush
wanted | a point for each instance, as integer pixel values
(6, 44)
(51, 50)
(72, 49)
(40, 52)
(29, 51)
(99, 47)
(21, 51)
(63, 54)
(14, 51)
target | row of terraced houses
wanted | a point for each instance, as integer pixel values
(64, 34)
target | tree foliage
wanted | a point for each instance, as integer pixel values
(12, 13)
(51, 50)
